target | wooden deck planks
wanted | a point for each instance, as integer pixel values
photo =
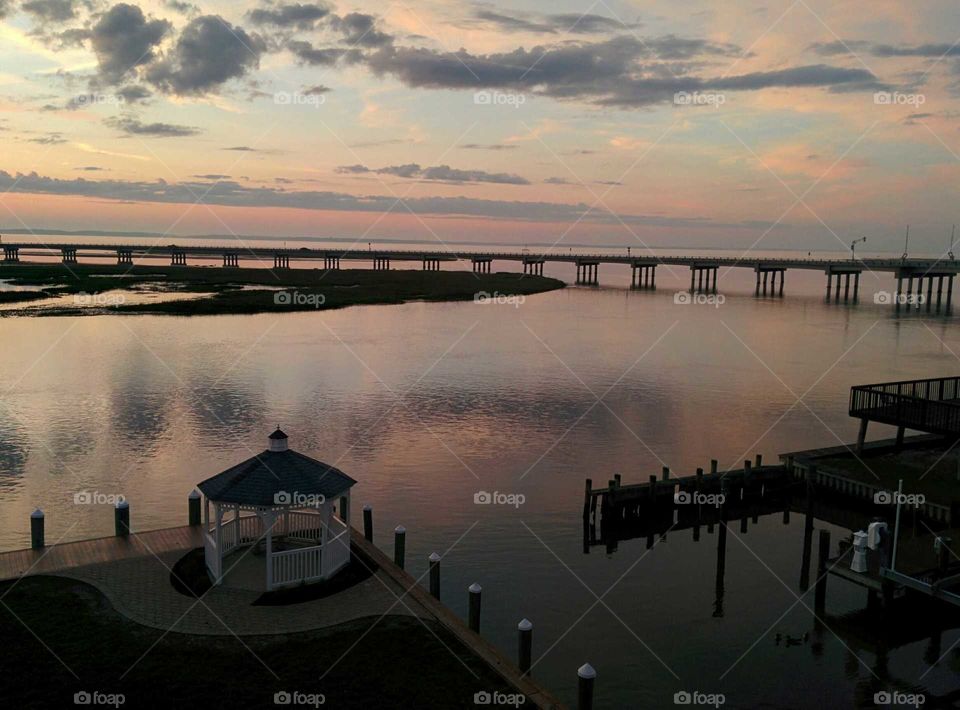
(55, 558)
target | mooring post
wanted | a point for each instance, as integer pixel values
(474, 606)
(399, 545)
(699, 480)
(588, 487)
(368, 523)
(759, 461)
(525, 652)
(666, 472)
(435, 575)
(121, 518)
(617, 478)
(714, 464)
(36, 529)
(653, 489)
(193, 506)
(586, 677)
(823, 555)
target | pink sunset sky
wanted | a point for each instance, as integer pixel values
(708, 124)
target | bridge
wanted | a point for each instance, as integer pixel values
(927, 281)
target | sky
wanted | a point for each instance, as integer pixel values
(682, 123)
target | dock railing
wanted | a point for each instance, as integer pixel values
(931, 405)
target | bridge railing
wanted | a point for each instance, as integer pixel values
(924, 405)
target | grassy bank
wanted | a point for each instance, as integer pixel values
(243, 290)
(399, 663)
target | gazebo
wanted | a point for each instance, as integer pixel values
(284, 503)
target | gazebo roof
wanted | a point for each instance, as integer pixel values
(259, 479)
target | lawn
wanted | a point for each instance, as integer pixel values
(54, 627)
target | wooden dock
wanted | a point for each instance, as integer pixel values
(65, 556)
(622, 502)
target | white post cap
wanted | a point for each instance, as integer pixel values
(194, 494)
(368, 507)
(122, 503)
(434, 557)
(400, 530)
(474, 588)
(37, 513)
(525, 625)
(586, 672)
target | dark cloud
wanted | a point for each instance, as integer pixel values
(296, 15)
(317, 90)
(133, 126)
(5, 7)
(488, 146)
(359, 30)
(563, 23)
(382, 142)
(326, 57)
(209, 52)
(921, 50)
(212, 176)
(134, 93)
(622, 71)
(89, 168)
(886, 50)
(184, 8)
(557, 181)
(439, 173)
(229, 193)
(123, 39)
(242, 149)
(70, 38)
(51, 10)
(49, 139)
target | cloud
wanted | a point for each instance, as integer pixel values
(50, 10)
(133, 126)
(622, 71)
(209, 52)
(921, 50)
(439, 173)
(49, 139)
(326, 57)
(317, 90)
(557, 181)
(184, 8)
(359, 30)
(134, 93)
(123, 39)
(5, 7)
(212, 176)
(89, 168)
(229, 193)
(564, 23)
(488, 146)
(296, 15)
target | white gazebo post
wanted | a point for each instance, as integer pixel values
(268, 521)
(218, 512)
(326, 515)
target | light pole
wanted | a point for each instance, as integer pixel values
(853, 247)
(906, 244)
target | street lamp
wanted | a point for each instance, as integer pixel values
(853, 247)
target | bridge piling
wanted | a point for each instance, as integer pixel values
(125, 256)
(230, 260)
(11, 255)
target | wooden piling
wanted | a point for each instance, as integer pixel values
(525, 651)
(399, 545)
(823, 555)
(474, 606)
(193, 507)
(121, 518)
(36, 529)
(368, 523)
(588, 487)
(434, 575)
(586, 677)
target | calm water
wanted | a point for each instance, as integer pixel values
(427, 404)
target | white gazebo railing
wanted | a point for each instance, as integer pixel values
(318, 539)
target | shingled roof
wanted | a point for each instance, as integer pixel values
(257, 480)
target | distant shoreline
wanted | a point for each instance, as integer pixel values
(90, 289)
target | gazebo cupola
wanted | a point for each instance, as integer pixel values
(285, 504)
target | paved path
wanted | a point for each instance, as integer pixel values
(134, 574)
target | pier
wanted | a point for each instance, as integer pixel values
(924, 282)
